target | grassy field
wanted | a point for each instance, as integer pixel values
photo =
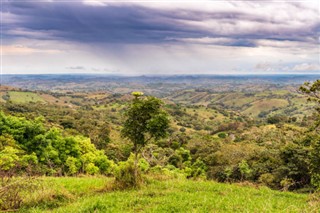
(276, 101)
(265, 105)
(24, 97)
(90, 194)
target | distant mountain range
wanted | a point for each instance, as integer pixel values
(151, 84)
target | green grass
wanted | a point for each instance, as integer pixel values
(265, 105)
(83, 195)
(24, 97)
(239, 101)
(280, 92)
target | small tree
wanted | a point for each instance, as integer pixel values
(146, 120)
(312, 90)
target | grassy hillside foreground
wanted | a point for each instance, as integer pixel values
(91, 194)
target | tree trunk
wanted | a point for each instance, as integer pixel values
(135, 165)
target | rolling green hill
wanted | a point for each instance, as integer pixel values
(254, 104)
(24, 97)
(258, 139)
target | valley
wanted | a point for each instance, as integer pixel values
(254, 133)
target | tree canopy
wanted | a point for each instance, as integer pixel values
(146, 120)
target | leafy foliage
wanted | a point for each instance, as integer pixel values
(145, 121)
(312, 90)
(27, 142)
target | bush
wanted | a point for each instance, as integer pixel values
(277, 119)
(144, 165)
(125, 175)
(105, 165)
(267, 179)
(244, 169)
(175, 160)
(198, 169)
(73, 165)
(91, 169)
(8, 158)
(175, 145)
(222, 135)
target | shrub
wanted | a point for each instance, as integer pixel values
(91, 169)
(175, 145)
(267, 179)
(144, 165)
(198, 169)
(73, 165)
(277, 119)
(286, 183)
(245, 169)
(105, 165)
(222, 135)
(126, 175)
(8, 158)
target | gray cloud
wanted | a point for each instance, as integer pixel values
(307, 67)
(160, 37)
(141, 24)
(76, 68)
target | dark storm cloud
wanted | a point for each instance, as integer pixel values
(132, 23)
(74, 21)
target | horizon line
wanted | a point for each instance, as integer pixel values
(162, 75)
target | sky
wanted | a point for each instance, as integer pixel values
(160, 37)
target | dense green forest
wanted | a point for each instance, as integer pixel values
(264, 138)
